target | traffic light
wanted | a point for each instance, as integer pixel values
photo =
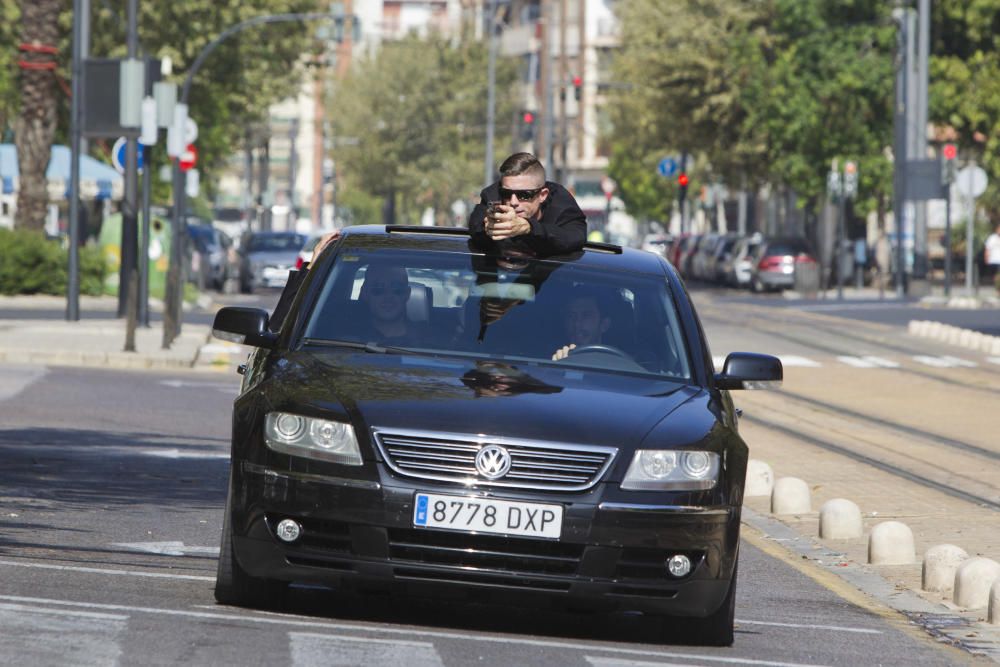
(949, 154)
(850, 179)
(527, 126)
(577, 86)
(682, 186)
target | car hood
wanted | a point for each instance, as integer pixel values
(415, 392)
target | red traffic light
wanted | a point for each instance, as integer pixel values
(578, 81)
(528, 117)
(682, 180)
(950, 151)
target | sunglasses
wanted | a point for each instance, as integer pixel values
(522, 195)
(395, 290)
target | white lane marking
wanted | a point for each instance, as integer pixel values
(99, 570)
(792, 360)
(960, 362)
(856, 362)
(7, 606)
(868, 361)
(178, 454)
(16, 379)
(809, 626)
(600, 661)
(166, 548)
(879, 361)
(473, 636)
(343, 651)
(178, 384)
(993, 360)
(57, 638)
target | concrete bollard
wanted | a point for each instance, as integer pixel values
(790, 496)
(840, 519)
(940, 563)
(993, 615)
(760, 479)
(973, 580)
(891, 543)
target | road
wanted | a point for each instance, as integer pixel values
(113, 486)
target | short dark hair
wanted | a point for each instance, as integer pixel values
(522, 163)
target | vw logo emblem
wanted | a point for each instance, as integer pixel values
(493, 462)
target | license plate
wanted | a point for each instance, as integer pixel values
(487, 515)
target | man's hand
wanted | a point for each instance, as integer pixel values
(563, 352)
(505, 224)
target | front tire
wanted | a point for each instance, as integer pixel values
(233, 585)
(715, 629)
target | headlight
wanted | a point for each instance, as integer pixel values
(313, 438)
(669, 470)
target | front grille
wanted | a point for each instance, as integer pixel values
(534, 464)
(484, 552)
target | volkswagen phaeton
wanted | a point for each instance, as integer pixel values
(424, 415)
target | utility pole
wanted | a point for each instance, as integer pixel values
(563, 96)
(491, 82)
(919, 38)
(544, 149)
(585, 78)
(900, 145)
(130, 217)
(80, 10)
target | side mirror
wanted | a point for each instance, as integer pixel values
(246, 326)
(745, 370)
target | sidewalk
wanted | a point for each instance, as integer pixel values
(96, 342)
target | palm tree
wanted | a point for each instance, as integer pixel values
(36, 124)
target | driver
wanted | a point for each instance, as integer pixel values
(584, 323)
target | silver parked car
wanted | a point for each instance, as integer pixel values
(267, 257)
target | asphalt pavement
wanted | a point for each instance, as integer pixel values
(32, 332)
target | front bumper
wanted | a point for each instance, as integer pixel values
(360, 534)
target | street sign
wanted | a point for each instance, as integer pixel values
(608, 185)
(118, 155)
(667, 167)
(972, 181)
(190, 131)
(188, 157)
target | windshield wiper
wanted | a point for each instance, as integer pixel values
(370, 346)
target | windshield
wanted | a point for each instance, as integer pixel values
(488, 307)
(276, 242)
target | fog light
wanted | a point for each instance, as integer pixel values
(288, 530)
(679, 565)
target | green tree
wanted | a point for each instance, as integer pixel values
(36, 121)
(239, 80)
(768, 91)
(409, 122)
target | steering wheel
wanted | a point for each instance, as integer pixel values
(601, 348)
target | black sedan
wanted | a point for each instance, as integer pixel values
(422, 415)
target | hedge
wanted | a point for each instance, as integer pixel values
(30, 263)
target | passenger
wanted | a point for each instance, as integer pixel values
(523, 211)
(385, 292)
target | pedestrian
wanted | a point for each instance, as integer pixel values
(992, 256)
(525, 212)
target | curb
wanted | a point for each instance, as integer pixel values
(952, 335)
(959, 629)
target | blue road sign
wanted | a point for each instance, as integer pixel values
(667, 167)
(118, 155)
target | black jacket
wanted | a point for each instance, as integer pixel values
(561, 229)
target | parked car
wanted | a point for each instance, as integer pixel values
(465, 455)
(267, 257)
(211, 264)
(688, 247)
(715, 262)
(306, 253)
(777, 260)
(699, 258)
(738, 265)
